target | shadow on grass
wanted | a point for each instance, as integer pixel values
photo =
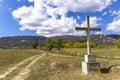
(107, 70)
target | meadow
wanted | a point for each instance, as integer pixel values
(99, 52)
(64, 65)
(10, 57)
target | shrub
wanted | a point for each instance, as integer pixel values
(34, 45)
(83, 45)
(67, 45)
(50, 44)
(117, 43)
(76, 45)
(93, 45)
(59, 44)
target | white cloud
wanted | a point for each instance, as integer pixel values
(114, 26)
(93, 22)
(23, 12)
(30, 0)
(104, 13)
(83, 5)
(115, 12)
(99, 32)
(48, 17)
(78, 17)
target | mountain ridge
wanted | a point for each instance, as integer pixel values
(25, 41)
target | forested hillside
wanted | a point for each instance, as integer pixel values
(25, 41)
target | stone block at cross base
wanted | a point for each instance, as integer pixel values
(90, 67)
(89, 58)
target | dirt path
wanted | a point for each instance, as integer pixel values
(11, 69)
(23, 75)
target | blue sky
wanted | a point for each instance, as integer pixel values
(56, 17)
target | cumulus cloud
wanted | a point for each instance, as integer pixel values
(93, 22)
(114, 26)
(83, 5)
(49, 17)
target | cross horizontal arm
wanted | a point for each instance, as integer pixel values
(91, 29)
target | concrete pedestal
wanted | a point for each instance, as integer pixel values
(89, 66)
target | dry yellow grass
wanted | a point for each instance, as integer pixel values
(61, 67)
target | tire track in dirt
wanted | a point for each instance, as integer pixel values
(11, 69)
(24, 74)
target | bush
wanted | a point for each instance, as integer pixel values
(83, 45)
(34, 45)
(76, 45)
(67, 45)
(117, 43)
(59, 44)
(50, 44)
(93, 45)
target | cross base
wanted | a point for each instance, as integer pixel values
(90, 66)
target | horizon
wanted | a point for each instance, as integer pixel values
(54, 18)
(54, 36)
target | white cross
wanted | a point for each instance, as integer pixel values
(88, 29)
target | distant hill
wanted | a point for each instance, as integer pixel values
(25, 41)
(110, 39)
(20, 41)
(115, 36)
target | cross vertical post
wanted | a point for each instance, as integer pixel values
(88, 36)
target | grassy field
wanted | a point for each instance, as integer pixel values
(10, 57)
(61, 67)
(107, 53)
(69, 68)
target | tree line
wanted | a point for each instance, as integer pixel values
(59, 44)
(117, 43)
